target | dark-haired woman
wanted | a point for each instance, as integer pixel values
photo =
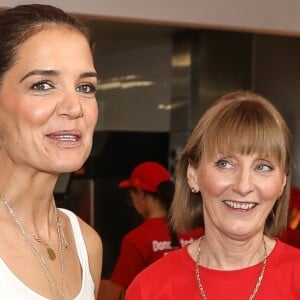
(48, 112)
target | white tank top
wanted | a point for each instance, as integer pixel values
(12, 288)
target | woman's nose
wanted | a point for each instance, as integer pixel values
(70, 105)
(243, 182)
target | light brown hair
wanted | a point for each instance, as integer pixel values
(239, 122)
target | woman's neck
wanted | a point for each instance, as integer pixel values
(225, 253)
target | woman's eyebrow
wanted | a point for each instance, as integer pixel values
(55, 73)
(88, 74)
(40, 72)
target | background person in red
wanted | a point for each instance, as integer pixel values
(292, 233)
(151, 190)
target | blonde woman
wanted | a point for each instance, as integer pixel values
(234, 174)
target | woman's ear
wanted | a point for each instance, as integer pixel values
(192, 179)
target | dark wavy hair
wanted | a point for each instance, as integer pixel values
(23, 21)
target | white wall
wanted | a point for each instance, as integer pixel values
(273, 16)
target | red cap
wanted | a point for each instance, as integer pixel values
(147, 176)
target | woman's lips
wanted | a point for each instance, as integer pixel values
(65, 138)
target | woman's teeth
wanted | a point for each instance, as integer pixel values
(240, 205)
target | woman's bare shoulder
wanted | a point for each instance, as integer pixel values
(95, 250)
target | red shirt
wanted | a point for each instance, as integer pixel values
(144, 245)
(173, 277)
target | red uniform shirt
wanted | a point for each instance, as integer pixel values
(144, 245)
(173, 277)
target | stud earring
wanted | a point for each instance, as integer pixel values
(194, 190)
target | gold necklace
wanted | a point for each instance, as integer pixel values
(50, 251)
(259, 280)
(55, 289)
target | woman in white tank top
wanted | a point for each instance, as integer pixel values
(48, 112)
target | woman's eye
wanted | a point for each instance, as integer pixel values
(86, 89)
(263, 168)
(223, 163)
(41, 86)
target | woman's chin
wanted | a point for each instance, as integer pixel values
(67, 167)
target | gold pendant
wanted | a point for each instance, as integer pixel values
(51, 253)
